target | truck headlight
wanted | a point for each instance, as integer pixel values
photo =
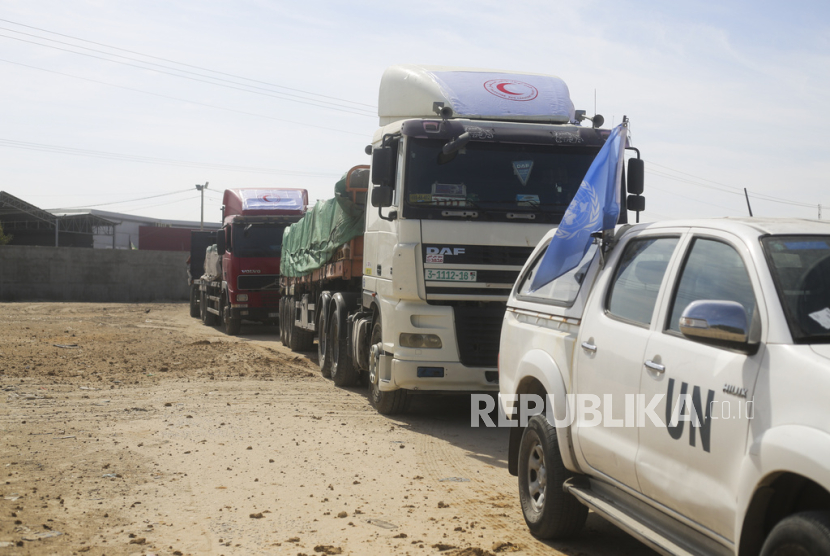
(242, 297)
(429, 341)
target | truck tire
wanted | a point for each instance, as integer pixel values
(194, 302)
(231, 325)
(549, 511)
(323, 357)
(298, 338)
(804, 533)
(283, 338)
(385, 403)
(343, 371)
(208, 318)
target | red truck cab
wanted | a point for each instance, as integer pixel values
(254, 220)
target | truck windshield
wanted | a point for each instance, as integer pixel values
(800, 266)
(494, 178)
(257, 240)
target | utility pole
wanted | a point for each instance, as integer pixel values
(202, 189)
(819, 211)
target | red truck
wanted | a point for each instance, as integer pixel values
(242, 270)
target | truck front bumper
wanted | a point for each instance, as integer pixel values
(260, 314)
(440, 375)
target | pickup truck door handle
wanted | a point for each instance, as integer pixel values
(656, 367)
(589, 347)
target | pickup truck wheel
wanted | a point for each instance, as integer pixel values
(549, 511)
(386, 403)
(323, 346)
(801, 534)
(232, 325)
(194, 302)
(343, 372)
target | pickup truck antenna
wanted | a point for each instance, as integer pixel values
(747, 202)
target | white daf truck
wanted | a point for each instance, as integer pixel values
(469, 169)
(686, 371)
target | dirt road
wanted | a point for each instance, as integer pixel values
(134, 429)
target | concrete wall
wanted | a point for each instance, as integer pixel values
(29, 273)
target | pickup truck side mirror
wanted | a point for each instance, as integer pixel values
(220, 241)
(718, 323)
(383, 167)
(382, 196)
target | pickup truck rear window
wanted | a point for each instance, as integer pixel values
(637, 280)
(563, 290)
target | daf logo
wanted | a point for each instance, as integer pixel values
(445, 251)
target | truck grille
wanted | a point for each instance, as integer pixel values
(477, 331)
(258, 282)
(270, 299)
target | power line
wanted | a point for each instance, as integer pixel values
(126, 201)
(737, 190)
(241, 87)
(153, 160)
(180, 63)
(181, 99)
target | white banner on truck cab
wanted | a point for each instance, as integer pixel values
(269, 199)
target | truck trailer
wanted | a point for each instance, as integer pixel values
(241, 278)
(470, 168)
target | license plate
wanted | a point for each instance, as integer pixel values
(273, 315)
(450, 275)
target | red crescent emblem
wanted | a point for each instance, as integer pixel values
(521, 91)
(270, 198)
(503, 88)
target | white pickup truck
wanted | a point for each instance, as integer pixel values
(686, 371)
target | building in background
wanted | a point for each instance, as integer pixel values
(31, 225)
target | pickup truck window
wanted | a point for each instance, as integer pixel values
(637, 280)
(800, 267)
(713, 270)
(563, 290)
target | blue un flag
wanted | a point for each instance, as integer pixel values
(595, 207)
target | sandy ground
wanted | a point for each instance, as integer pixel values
(134, 429)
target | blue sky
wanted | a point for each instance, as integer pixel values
(721, 95)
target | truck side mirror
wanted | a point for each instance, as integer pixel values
(220, 241)
(636, 203)
(383, 168)
(382, 196)
(636, 180)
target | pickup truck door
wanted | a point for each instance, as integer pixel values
(609, 355)
(691, 466)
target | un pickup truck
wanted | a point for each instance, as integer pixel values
(685, 369)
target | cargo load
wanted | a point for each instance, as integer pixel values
(310, 243)
(213, 263)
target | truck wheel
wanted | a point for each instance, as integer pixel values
(231, 325)
(323, 346)
(289, 322)
(194, 302)
(343, 372)
(208, 318)
(804, 533)
(385, 403)
(282, 322)
(549, 511)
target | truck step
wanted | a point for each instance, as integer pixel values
(212, 310)
(654, 534)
